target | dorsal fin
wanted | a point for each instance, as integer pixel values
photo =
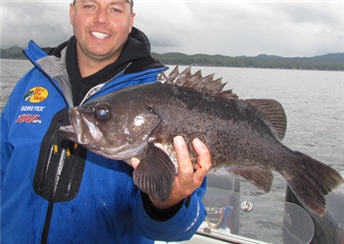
(272, 111)
(183, 77)
(196, 81)
(173, 75)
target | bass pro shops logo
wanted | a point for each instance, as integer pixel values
(36, 95)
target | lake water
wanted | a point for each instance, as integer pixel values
(313, 101)
(10, 72)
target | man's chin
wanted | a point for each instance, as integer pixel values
(103, 54)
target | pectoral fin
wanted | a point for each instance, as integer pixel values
(155, 174)
(260, 177)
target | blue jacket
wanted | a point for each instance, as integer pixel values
(108, 207)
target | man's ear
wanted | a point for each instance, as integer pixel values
(131, 24)
(71, 13)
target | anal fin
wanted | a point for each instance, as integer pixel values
(155, 174)
(260, 177)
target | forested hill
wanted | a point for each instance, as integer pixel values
(332, 61)
(12, 53)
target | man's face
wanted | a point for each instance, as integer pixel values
(101, 27)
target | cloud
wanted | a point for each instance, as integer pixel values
(45, 22)
(289, 28)
(227, 27)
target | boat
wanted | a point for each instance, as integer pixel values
(237, 215)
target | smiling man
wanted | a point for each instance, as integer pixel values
(53, 191)
(101, 28)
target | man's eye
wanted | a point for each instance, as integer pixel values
(115, 10)
(89, 6)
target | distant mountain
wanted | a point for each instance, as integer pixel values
(331, 58)
(331, 61)
(12, 53)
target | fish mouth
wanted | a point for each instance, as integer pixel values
(75, 131)
(68, 132)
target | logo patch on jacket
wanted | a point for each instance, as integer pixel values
(29, 118)
(36, 95)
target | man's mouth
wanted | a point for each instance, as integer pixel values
(99, 35)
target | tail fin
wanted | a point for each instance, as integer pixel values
(313, 182)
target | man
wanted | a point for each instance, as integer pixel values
(55, 192)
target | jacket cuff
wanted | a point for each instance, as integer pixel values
(157, 213)
(180, 226)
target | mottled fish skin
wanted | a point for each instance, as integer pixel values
(241, 135)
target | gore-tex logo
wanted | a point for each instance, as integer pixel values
(29, 118)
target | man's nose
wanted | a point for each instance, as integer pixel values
(101, 16)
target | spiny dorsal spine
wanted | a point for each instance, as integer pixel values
(196, 81)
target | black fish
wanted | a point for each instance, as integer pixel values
(243, 136)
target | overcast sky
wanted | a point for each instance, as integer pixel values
(226, 27)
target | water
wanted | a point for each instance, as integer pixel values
(313, 101)
(10, 72)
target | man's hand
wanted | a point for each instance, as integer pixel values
(188, 178)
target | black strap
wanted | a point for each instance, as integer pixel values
(45, 232)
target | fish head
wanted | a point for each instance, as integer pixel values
(116, 129)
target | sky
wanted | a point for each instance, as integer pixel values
(287, 28)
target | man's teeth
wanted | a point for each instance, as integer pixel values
(99, 35)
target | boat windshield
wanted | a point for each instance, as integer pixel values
(252, 218)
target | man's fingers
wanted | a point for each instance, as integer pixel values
(183, 156)
(204, 158)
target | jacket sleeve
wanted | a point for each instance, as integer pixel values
(179, 227)
(6, 120)
(5, 148)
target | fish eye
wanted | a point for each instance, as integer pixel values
(102, 112)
